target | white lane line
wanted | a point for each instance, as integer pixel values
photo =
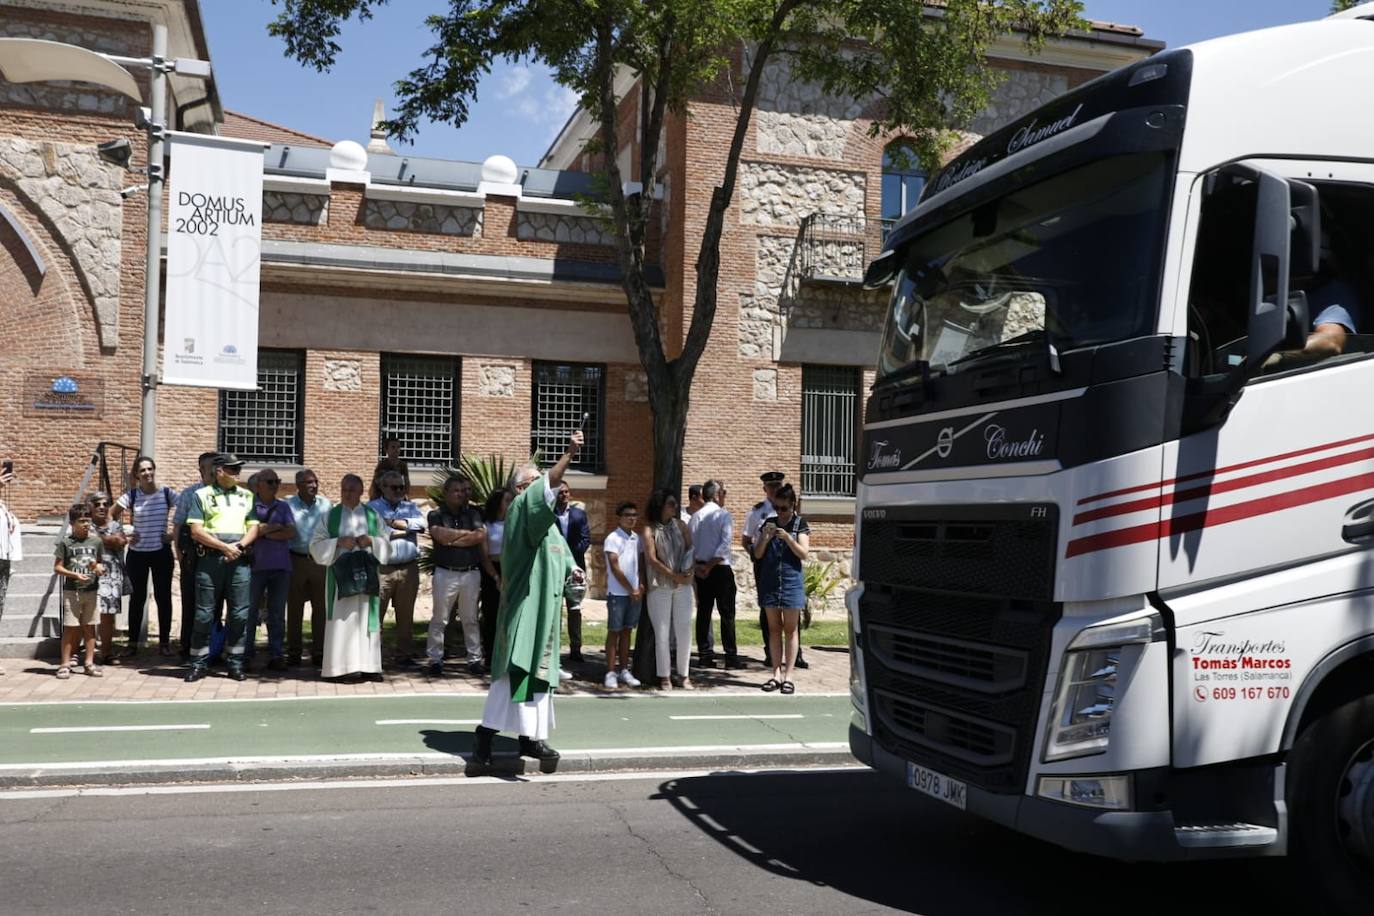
(79, 729)
(428, 722)
(793, 715)
(703, 695)
(473, 782)
(421, 756)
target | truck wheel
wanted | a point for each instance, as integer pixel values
(1331, 805)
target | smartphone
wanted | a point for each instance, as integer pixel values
(8, 466)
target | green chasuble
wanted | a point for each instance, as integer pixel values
(535, 562)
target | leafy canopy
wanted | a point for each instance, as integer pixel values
(924, 63)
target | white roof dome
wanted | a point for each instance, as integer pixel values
(348, 156)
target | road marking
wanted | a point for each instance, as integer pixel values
(407, 783)
(702, 695)
(792, 715)
(76, 729)
(428, 722)
(419, 757)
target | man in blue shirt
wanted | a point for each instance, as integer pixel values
(1338, 315)
(307, 577)
(400, 579)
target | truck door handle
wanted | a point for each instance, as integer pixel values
(1359, 524)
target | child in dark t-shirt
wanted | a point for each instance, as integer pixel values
(79, 560)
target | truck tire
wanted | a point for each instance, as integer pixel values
(1331, 806)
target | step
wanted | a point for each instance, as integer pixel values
(44, 647)
(1212, 836)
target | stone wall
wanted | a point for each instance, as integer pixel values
(797, 118)
(408, 216)
(79, 196)
(781, 195)
(290, 207)
(557, 227)
(779, 298)
(1019, 94)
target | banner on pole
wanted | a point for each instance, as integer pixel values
(214, 255)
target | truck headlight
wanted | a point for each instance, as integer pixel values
(1081, 718)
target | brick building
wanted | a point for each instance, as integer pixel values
(462, 306)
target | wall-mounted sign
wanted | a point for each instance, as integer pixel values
(63, 395)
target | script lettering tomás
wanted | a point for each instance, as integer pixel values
(879, 459)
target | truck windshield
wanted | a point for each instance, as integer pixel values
(1075, 259)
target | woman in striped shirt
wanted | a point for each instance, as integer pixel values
(150, 551)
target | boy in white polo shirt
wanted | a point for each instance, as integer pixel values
(624, 595)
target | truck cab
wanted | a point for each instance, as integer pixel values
(1115, 586)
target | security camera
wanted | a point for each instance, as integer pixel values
(115, 152)
(130, 191)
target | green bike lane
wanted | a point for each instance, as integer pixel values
(67, 735)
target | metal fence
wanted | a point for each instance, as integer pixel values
(830, 402)
(562, 393)
(265, 425)
(420, 407)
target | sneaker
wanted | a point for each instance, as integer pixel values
(628, 679)
(435, 669)
(564, 674)
(611, 682)
(476, 669)
(575, 657)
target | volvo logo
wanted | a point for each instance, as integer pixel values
(944, 442)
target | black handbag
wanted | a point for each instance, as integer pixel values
(355, 573)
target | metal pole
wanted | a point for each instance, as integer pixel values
(152, 303)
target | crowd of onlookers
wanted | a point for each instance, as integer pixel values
(242, 556)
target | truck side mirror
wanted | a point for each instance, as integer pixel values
(1268, 298)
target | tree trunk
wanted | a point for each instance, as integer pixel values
(668, 402)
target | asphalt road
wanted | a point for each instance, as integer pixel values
(799, 842)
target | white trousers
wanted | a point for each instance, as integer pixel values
(670, 611)
(532, 719)
(463, 587)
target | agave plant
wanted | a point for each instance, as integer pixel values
(818, 582)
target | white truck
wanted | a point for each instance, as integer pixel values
(1115, 584)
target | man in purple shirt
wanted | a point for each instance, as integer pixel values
(271, 567)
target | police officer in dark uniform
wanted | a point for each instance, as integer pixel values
(772, 481)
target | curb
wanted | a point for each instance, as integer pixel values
(286, 769)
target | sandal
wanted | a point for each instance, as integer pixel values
(788, 688)
(92, 671)
(665, 684)
(770, 685)
(687, 684)
(63, 673)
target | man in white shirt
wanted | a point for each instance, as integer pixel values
(713, 532)
(624, 595)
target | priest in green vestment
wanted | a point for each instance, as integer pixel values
(535, 564)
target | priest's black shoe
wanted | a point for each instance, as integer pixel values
(539, 750)
(481, 751)
(195, 674)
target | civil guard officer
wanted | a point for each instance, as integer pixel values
(772, 481)
(223, 527)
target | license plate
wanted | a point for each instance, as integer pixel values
(936, 785)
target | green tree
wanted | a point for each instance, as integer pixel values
(925, 62)
(1338, 6)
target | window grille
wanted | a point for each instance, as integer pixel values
(264, 426)
(420, 407)
(562, 393)
(830, 402)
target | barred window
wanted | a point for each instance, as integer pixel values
(265, 426)
(563, 392)
(420, 407)
(830, 402)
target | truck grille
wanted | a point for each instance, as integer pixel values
(955, 672)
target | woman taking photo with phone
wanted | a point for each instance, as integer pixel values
(781, 548)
